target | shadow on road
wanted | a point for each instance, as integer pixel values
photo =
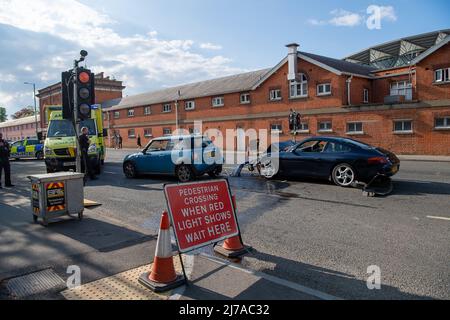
(336, 283)
(420, 188)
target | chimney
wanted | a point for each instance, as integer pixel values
(292, 61)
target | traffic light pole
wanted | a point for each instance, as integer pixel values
(76, 120)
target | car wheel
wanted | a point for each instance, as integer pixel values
(215, 173)
(343, 175)
(130, 170)
(184, 173)
(39, 155)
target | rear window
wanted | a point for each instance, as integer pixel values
(359, 144)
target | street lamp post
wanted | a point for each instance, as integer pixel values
(35, 111)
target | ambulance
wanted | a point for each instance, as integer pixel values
(60, 143)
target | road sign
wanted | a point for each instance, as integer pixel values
(202, 213)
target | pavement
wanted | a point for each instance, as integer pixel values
(311, 239)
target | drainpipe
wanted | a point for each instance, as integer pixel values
(349, 99)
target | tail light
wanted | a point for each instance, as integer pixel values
(377, 160)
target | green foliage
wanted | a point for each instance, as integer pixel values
(24, 112)
(3, 115)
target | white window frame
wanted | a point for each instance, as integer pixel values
(130, 113)
(116, 114)
(147, 110)
(402, 131)
(323, 86)
(446, 125)
(131, 136)
(167, 134)
(401, 88)
(165, 110)
(245, 101)
(278, 129)
(189, 105)
(365, 95)
(299, 89)
(218, 101)
(302, 128)
(444, 75)
(325, 130)
(275, 95)
(150, 134)
(354, 132)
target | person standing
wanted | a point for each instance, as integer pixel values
(84, 146)
(120, 141)
(139, 142)
(4, 162)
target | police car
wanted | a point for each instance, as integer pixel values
(28, 148)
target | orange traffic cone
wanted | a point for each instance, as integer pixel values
(162, 276)
(232, 247)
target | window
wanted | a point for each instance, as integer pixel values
(337, 147)
(276, 128)
(304, 127)
(275, 94)
(148, 132)
(245, 98)
(116, 114)
(403, 126)
(131, 112)
(299, 89)
(167, 107)
(366, 95)
(105, 116)
(311, 146)
(402, 88)
(147, 110)
(189, 105)
(218, 102)
(131, 133)
(167, 131)
(324, 89)
(158, 145)
(325, 126)
(442, 123)
(355, 128)
(442, 75)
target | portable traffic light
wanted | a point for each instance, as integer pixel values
(67, 95)
(85, 91)
(297, 121)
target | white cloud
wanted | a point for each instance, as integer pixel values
(343, 18)
(388, 13)
(210, 46)
(60, 28)
(316, 22)
(7, 77)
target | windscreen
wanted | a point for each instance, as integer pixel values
(64, 128)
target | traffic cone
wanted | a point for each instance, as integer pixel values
(162, 276)
(232, 247)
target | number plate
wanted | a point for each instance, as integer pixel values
(69, 164)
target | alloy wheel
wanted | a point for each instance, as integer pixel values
(343, 175)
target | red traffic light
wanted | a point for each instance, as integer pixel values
(84, 77)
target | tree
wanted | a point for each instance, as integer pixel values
(3, 116)
(24, 112)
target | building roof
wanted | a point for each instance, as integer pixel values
(400, 52)
(342, 65)
(18, 122)
(235, 83)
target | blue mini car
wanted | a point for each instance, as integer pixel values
(185, 157)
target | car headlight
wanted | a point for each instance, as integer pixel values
(92, 148)
(48, 151)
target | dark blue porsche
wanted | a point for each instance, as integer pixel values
(343, 160)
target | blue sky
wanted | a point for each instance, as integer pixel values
(154, 44)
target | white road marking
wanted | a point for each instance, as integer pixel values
(438, 218)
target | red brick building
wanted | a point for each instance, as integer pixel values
(395, 95)
(106, 89)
